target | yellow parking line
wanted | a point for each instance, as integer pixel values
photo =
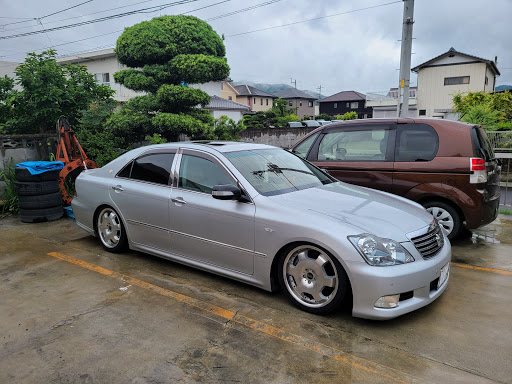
(324, 350)
(500, 271)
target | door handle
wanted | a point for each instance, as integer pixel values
(118, 188)
(178, 200)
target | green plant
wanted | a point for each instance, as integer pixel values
(352, 115)
(506, 211)
(9, 197)
(155, 139)
(47, 91)
(226, 128)
(163, 55)
(483, 115)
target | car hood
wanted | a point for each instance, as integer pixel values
(368, 210)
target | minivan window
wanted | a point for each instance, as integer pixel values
(365, 144)
(303, 148)
(482, 144)
(416, 142)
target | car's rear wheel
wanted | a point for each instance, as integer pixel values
(312, 279)
(111, 230)
(447, 217)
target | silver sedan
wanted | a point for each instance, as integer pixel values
(264, 216)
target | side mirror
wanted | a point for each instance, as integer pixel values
(226, 192)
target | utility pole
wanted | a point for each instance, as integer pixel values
(319, 91)
(405, 59)
(293, 82)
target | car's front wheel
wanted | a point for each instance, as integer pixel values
(111, 230)
(314, 280)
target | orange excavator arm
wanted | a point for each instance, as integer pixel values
(71, 153)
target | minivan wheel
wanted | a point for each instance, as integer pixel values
(447, 217)
(312, 279)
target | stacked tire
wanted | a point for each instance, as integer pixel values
(39, 196)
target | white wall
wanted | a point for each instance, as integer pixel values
(235, 115)
(213, 88)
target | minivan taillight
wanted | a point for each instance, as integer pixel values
(478, 169)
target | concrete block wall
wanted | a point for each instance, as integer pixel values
(279, 137)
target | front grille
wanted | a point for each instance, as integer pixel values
(430, 243)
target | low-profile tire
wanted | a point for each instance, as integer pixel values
(23, 174)
(41, 215)
(312, 279)
(30, 188)
(40, 201)
(447, 217)
(110, 230)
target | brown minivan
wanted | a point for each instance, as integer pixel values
(447, 166)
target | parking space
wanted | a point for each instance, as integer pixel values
(72, 312)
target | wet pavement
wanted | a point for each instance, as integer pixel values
(73, 313)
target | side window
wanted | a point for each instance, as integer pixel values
(416, 142)
(201, 175)
(155, 168)
(303, 148)
(365, 144)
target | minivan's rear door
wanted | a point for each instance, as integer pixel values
(359, 153)
(490, 183)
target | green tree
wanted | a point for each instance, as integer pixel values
(48, 91)
(352, 115)
(491, 110)
(163, 56)
(278, 116)
(226, 129)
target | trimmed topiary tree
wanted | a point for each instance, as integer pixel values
(164, 55)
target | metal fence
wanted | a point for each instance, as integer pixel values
(502, 145)
(500, 141)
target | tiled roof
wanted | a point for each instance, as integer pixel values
(293, 93)
(452, 51)
(247, 90)
(344, 96)
(218, 103)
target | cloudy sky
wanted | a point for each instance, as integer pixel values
(336, 44)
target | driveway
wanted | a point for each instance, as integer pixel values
(73, 313)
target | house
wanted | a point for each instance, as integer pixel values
(102, 64)
(219, 106)
(255, 98)
(452, 72)
(228, 90)
(384, 104)
(343, 102)
(304, 103)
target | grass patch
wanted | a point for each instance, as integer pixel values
(505, 211)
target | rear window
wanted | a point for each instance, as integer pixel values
(482, 144)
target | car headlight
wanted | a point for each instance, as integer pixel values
(380, 252)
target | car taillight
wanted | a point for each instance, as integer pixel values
(478, 170)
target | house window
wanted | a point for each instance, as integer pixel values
(456, 80)
(254, 101)
(230, 98)
(102, 78)
(300, 103)
(354, 105)
(335, 105)
(267, 101)
(486, 80)
(261, 101)
(348, 105)
(290, 103)
(423, 112)
(310, 104)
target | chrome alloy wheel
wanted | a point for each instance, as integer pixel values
(109, 227)
(310, 276)
(444, 219)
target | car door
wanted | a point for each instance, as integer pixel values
(416, 162)
(360, 154)
(141, 192)
(216, 232)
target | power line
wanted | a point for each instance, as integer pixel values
(313, 19)
(243, 10)
(106, 18)
(51, 14)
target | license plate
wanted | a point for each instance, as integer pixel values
(445, 272)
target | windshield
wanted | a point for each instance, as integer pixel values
(276, 171)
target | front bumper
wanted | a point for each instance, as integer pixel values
(416, 282)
